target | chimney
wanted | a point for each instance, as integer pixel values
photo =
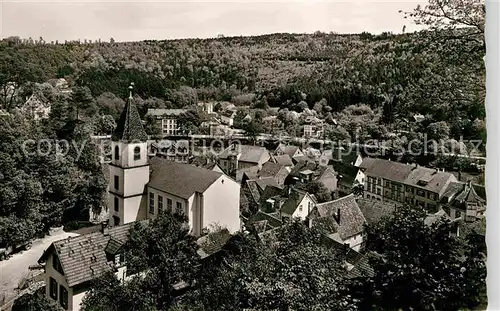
(104, 226)
(337, 218)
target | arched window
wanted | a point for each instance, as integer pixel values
(137, 153)
(117, 153)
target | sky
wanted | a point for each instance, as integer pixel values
(149, 20)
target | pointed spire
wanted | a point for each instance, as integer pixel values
(129, 127)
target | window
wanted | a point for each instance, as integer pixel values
(160, 203)
(116, 220)
(432, 196)
(53, 289)
(387, 183)
(117, 207)
(169, 205)
(137, 153)
(300, 208)
(458, 214)
(151, 203)
(117, 153)
(57, 264)
(117, 180)
(179, 208)
(379, 181)
(378, 191)
(63, 297)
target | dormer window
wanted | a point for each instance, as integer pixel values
(137, 153)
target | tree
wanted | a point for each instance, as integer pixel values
(82, 101)
(419, 266)
(299, 274)
(438, 131)
(450, 15)
(189, 121)
(36, 301)
(319, 190)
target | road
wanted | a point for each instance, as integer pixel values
(15, 268)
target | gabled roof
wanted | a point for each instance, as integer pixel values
(293, 201)
(129, 126)
(213, 242)
(270, 169)
(283, 160)
(248, 153)
(346, 214)
(181, 180)
(83, 258)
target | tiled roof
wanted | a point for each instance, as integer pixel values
(167, 112)
(181, 180)
(435, 181)
(417, 176)
(270, 169)
(266, 220)
(283, 160)
(374, 210)
(469, 195)
(340, 154)
(267, 181)
(248, 153)
(113, 246)
(350, 222)
(83, 258)
(452, 189)
(129, 126)
(289, 150)
(386, 169)
(213, 242)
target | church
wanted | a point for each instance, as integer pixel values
(141, 187)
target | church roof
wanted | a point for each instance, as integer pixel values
(181, 180)
(129, 126)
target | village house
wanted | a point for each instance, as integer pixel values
(168, 119)
(236, 158)
(298, 205)
(140, 187)
(462, 201)
(272, 170)
(227, 117)
(343, 219)
(72, 264)
(393, 181)
(293, 152)
(206, 107)
(35, 107)
(313, 128)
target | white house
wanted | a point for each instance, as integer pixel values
(140, 187)
(298, 205)
(168, 119)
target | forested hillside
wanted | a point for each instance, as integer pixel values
(409, 73)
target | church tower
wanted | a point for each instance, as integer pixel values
(129, 167)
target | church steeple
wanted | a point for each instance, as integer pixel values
(129, 127)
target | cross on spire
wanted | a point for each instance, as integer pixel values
(131, 87)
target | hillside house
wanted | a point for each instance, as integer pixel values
(168, 119)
